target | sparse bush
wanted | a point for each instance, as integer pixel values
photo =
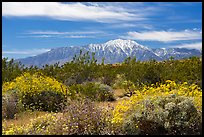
(70, 81)
(84, 118)
(105, 93)
(129, 88)
(10, 105)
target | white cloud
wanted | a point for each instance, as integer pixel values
(26, 52)
(71, 11)
(65, 34)
(131, 25)
(78, 36)
(164, 36)
(47, 32)
(197, 45)
(38, 36)
(51, 32)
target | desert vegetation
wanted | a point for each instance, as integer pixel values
(83, 97)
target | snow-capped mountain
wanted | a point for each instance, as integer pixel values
(114, 51)
(177, 53)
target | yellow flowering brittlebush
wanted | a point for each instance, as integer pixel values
(35, 83)
(123, 109)
(37, 91)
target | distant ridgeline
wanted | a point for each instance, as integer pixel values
(113, 51)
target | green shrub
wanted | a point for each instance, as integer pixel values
(44, 101)
(83, 90)
(93, 91)
(172, 115)
(105, 93)
(118, 83)
(10, 69)
(129, 88)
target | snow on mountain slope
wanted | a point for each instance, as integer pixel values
(113, 51)
(119, 46)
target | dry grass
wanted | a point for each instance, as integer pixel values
(23, 118)
(118, 93)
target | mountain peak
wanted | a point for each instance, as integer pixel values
(120, 41)
(124, 44)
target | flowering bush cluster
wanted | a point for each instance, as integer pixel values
(37, 126)
(79, 117)
(162, 109)
(170, 107)
(37, 91)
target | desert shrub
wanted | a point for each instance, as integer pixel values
(79, 117)
(83, 90)
(143, 109)
(129, 88)
(127, 85)
(93, 91)
(84, 118)
(119, 80)
(10, 69)
(38, 91)
(105, 93)
(10, 105)
(45, 101)
(183, 117)
(172, 115)
(70, 81)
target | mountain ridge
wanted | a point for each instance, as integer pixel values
(114, 51)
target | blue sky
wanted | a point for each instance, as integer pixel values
(31, 28)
